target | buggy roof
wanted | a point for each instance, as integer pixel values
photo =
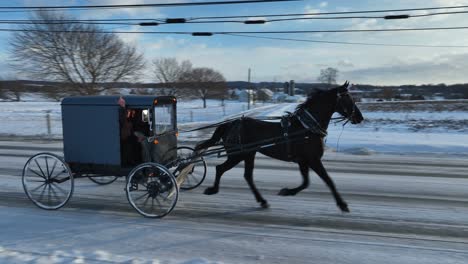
(112, 100)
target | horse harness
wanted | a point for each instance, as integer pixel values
(307, 120)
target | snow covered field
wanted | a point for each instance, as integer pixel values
(391, 128)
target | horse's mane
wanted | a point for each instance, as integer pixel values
(311, 98)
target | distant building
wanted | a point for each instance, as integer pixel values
(357, 95)
(282, 97)
(292, 88)
(245, 95)
(264, 94)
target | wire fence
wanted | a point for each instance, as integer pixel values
(30, 119)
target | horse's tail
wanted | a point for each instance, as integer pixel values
(217, 135)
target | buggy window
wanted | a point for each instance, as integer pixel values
(164, 118)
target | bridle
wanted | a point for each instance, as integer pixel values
(347, 115)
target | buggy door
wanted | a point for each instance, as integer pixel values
(165, 131)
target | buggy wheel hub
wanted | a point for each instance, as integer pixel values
(153, 189)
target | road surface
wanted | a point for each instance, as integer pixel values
(403, 210)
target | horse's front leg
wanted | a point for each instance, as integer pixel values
(248, 175)
(304, 168)
(318, 167)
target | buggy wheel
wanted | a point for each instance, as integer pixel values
(152, 190)
(196, 175)
(103, 180)
(47, 181)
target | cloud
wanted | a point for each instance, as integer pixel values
(145, 12)
(345, 63)
(448, 68)
(323, 4)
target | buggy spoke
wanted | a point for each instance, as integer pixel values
(195, 178)
(37, 188)
(157, 200)
(48, 192)
(37, 173)
(55, 194)
(56, 175)
(47, 167)
(146, 200)
(59, 188)
(142, 196)
(40, 169)
(36, 181)
(53, 168)
(164, 198)
(188, 179)
(42, 194)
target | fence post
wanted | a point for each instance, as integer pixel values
(224, 110)
(191, 116)
(49, 129)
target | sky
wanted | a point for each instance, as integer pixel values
(276, 60)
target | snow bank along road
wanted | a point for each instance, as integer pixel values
(403, 210)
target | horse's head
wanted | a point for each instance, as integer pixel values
(346, 106)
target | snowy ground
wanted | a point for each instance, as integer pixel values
(404, 210)
(399, 128)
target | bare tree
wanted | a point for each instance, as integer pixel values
(388, 93)
(52, 48)
(207, 83)
(11, 89)
(56, 92)
(328, 76)
(16, 89)
(3, 90)
(169, 71)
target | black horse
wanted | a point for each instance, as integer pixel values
(299, 137)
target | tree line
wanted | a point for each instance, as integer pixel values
(83, 56)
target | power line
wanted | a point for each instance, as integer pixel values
(335, 13)
(161, 21)
(350, 43)
(81, 7)
(404, 16)
(66, 22)
(246, 32)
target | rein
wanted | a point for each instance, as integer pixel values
(308, 121)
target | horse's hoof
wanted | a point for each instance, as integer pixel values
(210, 191)
(285, 192)
(264, 205)
(344, 208)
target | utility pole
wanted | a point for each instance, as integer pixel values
(248, 91)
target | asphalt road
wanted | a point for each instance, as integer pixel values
(403, 210)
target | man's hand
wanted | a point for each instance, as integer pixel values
(121, 102)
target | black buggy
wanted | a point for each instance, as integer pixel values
(102, 141)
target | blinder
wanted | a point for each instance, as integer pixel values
(340, 95)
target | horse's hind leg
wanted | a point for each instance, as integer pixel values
(220, 170)
(248, 175)
(318, 167)
(304, 168)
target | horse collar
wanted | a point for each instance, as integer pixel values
(309, 122)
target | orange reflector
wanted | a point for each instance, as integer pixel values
(173, 99)
(176, 134)
(156, 142)
(155, 101)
